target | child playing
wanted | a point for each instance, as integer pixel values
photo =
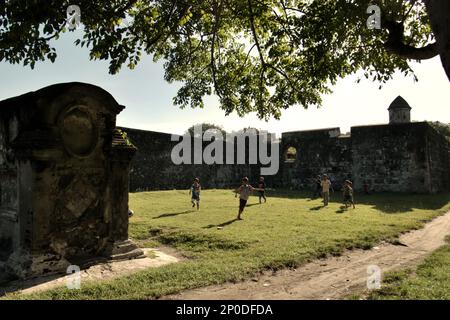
(262, 186)
(195, 192)
(318, 187)
(348, 194)
(326, 186)
(244, 193)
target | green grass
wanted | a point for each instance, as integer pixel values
(430, 281)
(286, 232)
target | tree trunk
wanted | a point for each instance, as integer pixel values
(439, 13)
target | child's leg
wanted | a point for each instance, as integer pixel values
(239, 213)
(242, 204)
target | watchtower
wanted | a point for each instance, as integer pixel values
(399, 111)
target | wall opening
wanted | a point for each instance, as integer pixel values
(290, 155)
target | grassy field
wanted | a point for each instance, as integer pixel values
(287, 231)
(430, 281)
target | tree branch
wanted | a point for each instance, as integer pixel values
(255, 36)
(217, 12)
(395, 44)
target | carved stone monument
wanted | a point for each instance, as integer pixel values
(64, 176)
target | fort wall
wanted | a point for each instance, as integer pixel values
(400, 157)
(153, 169)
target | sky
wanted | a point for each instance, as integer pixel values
(148, 97)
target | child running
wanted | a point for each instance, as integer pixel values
(244, 193)
(348, 194)
(261, 193)
(195, 193)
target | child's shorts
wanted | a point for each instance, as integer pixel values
(242, 204)
(348, 198)
(196, 197)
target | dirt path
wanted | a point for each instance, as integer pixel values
(334, 277)
(101, 271)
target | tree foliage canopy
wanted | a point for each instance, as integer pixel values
(442, 128)
(256, 55)
(205, 127)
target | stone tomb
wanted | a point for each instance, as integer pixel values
(64, 176)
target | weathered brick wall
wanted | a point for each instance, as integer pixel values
(410, 157)
(8, 190)
(391, 157)
(153, 169)
(318, 152)
(438, 160)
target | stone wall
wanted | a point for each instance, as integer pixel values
(323, 151)
(395, 157)
(9, 233)
(438, 160)
(409, 157)
(153, 169)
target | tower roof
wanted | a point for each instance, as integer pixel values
(399, 103)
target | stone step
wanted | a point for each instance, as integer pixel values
(123, 247)
(134, 254)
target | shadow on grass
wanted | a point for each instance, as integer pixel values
(316, 208)
(14, 285)
(174, 214)
(402, 202)
(220, 225)
(342, 209)
(390, 203)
